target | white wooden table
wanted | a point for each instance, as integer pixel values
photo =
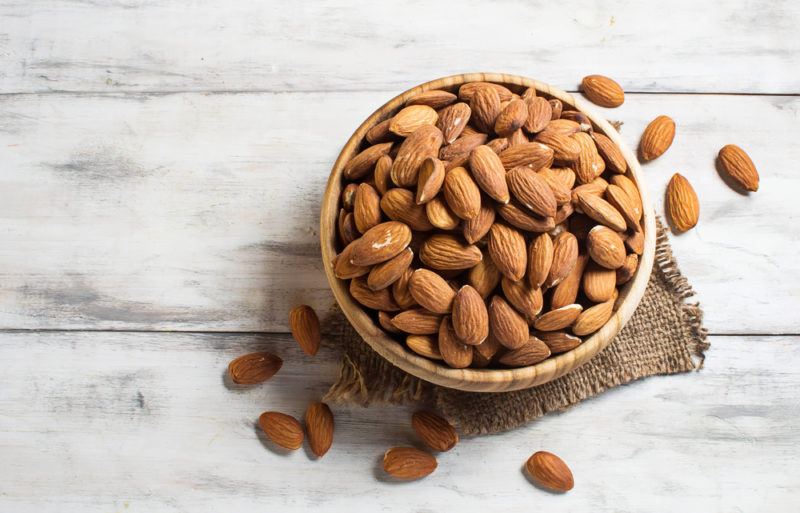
(161, 166)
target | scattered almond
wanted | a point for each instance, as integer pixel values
(737, 164)
(682, 203)
(304, 324)
(657, 137)
(408, 463)
(254, 368)
(435, 431)
(550, 471)
(284, 430)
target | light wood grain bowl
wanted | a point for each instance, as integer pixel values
(482, 380)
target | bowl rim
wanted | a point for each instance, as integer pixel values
(471, 379)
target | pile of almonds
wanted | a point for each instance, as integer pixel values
(487, 226)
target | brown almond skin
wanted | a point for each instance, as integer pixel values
(611, 153)
(349, 196)
(254, 368)
(531, 352)
(462, 146)
(412, 117)
(440, 215)
(431, 291)
(485, 276)
(566, 292)
(511, 118)
(515, 215)
(550, 471)
(417, 322)
(559, 318)
(476, 228)
(304, 323)
(540, 112)
(375, 299)
(558, 341)
(448, 253)
(599, 283)
(602, 91)
(564, 148)
(602, 211)
(525, 299)
(400, 205)
(380, 133)
(424, 345)
(606, 247)
(736, 163)
(557, 108)
(462, 193)
(540, 258)
(593, 318)
(565, 254)
(408, 463)
(343, 269)
(507, 248)
(628, 269)
(627, 185)
(507, 326)
(455, 353)
(682, 203)
(360, 165)
(485, 105)
(431, 177)
(423, 143)
(470, 317)
(466, 91)
(489, 173)
(619, 199)
(532, 191)
(319, 427)
(380, 243)
(434, 98)
(534, 155)
(434, 431)
(284, 430)
(346, 224)
(383, 275)
(453, 120)
(657, 138)
(589, 165)
(382, 174)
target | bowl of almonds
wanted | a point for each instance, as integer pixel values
(487, 232)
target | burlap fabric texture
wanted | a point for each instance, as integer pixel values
(664, 336)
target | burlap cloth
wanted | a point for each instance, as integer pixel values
(664, 336)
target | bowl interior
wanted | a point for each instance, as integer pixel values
(482, 380)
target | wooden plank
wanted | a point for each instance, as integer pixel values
(284, 45)
(200, 212)
(142, 422)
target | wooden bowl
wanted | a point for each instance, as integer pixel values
(482, 380)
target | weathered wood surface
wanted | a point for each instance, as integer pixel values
(200, 211)
(144, 422)
(286, 45)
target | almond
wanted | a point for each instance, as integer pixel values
(511, 118)
(380, 243)
(506, 325)
(343, 269)
(434, 431)
(531, 352)
(601, 211)
(462, 193)
(485, 105)
(382, 175)
(565, 254)
(485, 276)
(682, 203)
(539, 114)
(411, 118)
(400, 293)
(484, 353)
(452, 121)
(657, 138)
(563, 213)
(529, 94)
(566, 291)
(635, 240)
(516, 216)
(611, 153)
(417, 322)
(284, 430)
(498, 145)
(589, 164)
(400, 205)
(462, 146)
(534, 155)
(435, 98)
(540, 258)
(423, 143)
(349, 196)
(375, 299)
(466, 91)
(593, 318)
(367, 208)
(431, 291)
(563, 126)
(595, 188)
(362, 164)
(599, 283)
(470, 317)
(346, 224)
(385, 320)
(583, 121)
(447, 253)
(737, 164)
(507, 248)
(561, 191)
(380, 133)
(606, 247)
(549, 471)
(489, 173)
(440, 215)
(319, 426)
(620, 200)
(430, 179)
(527, 300)
(627, 185)
(407, 463)
(455, 353)
(565, 148)
(602, 91)
(383, 275)
(559, 341)
(532, 191)
(559, 318)
(304, 324)
(628, 269)
(557, 107)
(424, 345)
(517, 138)
(254, 368)
(477, 227)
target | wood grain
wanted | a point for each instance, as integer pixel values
(199, 212)
(139, 422)
(283, 45)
